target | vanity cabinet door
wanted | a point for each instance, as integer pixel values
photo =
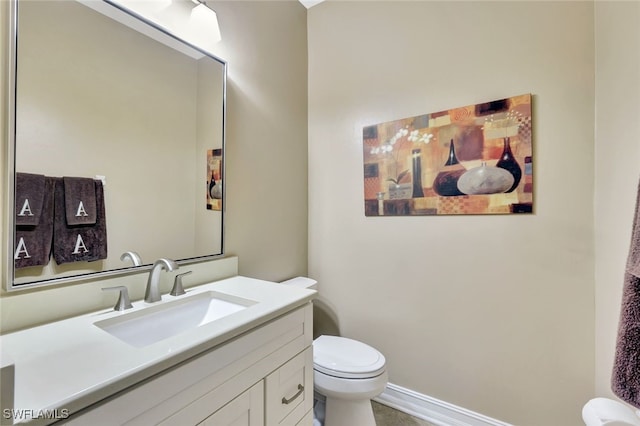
(247, 409)
(307, 420)
(289, 391)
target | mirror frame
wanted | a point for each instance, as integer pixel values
(10, 151)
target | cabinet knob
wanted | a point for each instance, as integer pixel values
(290, 400)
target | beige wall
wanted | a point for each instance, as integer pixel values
(207, 224)
(266, 214)
(265, 43)
(491, 313)
(617, 167)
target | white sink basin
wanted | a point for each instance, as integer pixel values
(155, 323)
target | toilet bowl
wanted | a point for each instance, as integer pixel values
(346, 372)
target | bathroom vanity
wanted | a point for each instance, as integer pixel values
(235, 349)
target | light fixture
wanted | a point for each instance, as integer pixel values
(205, 21)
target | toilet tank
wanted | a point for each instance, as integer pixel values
(302, 282)
(325, 320)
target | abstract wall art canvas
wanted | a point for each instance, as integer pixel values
(475, 159)
(214, 179)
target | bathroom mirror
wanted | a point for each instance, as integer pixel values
(126, 102)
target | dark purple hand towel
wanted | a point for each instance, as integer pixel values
(633, 261)
(625, 381)
(33, 243)
(80, 200)
(29, 198)
(77, 243)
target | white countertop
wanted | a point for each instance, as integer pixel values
(70, 364)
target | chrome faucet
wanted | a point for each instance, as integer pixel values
(152, 294)
(133, 256)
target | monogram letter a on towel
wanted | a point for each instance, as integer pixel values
(80, 232)
(33, 220)
(80, 201)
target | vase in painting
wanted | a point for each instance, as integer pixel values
(484, 180)
(508, 162)
(417, 174)
(446, 182)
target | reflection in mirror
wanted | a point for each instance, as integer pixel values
(95, 98)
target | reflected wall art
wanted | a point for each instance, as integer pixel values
(475, 159)
(214, 179)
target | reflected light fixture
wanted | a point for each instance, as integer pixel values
(205, 19)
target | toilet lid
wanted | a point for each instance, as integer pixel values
(347, 358)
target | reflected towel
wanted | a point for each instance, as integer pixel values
(29, 198)
(33, 243)
(633, 261)
(80, 200)
(625, 381)
(77, 243)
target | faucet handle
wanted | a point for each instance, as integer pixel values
(123, 299)
(177, 289)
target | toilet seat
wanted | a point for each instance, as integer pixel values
(346, 358)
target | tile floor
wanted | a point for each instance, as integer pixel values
(387, 416)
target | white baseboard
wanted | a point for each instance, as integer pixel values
(431, 409)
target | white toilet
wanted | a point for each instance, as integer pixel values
(609, 412)
(347, 373)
